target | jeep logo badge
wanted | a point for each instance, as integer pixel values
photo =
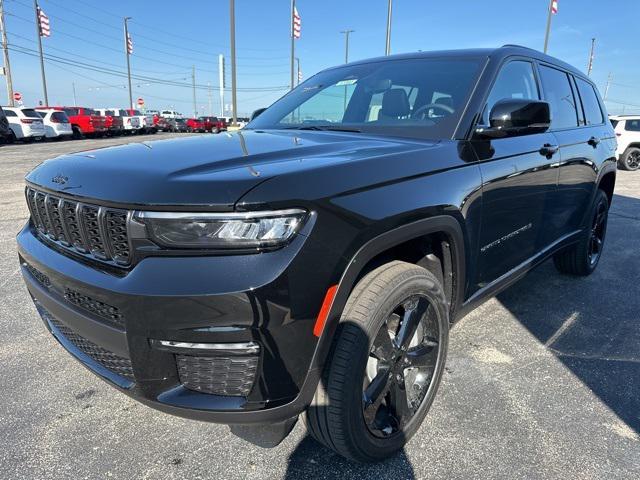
(60, 179)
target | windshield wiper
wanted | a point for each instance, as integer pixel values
(325, 128)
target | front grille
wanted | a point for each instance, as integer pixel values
(93, 231)
(104, 310)
(112, 362)
(229, 376)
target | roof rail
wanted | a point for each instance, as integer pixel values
(517, 46)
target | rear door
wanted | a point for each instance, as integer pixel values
(518, 182)
(584, 138)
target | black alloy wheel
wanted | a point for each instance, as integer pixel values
(598, 231)
(400, 367)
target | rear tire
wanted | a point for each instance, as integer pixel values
(630, 159)
(77, 133)
(582, 258)
(377, 388)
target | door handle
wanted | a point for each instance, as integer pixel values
(549, 150)
(593, 141)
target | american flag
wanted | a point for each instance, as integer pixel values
(297, 23)
(43, 24)
(299, 75)
(129, 44)
(554, 6)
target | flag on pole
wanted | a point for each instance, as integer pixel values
(297, 23)
(129, 44)
(43, 24)
(554, 6)
(299, 75)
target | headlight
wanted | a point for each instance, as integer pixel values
(222, 230)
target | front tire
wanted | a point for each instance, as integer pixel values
(630, 159)
(387, 362)
(582, 258)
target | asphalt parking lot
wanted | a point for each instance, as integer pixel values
(541, 382)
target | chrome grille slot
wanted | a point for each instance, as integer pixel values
(96, 232)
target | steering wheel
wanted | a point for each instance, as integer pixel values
(421, 111)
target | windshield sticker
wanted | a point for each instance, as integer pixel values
(349, 81)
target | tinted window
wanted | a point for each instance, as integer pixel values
(558, 93)
(391, 97)
(60, 117)
(71, 111)
(632, 125)
(515, 80)
(41, 114)
(614, 123)
(89, 111)
(30, 112)
(10, 113)
(590, 103)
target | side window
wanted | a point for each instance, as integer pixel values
(10, 113)
(590, 103)
(632, 125)
(515, 80)
(558, 93)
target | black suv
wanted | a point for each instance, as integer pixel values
(313, 262)
(6, 134)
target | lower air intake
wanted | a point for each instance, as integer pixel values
(229, 376)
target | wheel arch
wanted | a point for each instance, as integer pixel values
(607, 184)
(441, 226)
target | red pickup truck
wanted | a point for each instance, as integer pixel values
(84, 121)
(196, 125)
(213, 124)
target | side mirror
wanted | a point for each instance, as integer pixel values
(256, 113)
(511, 117)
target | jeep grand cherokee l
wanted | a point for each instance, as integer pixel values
(313, 262)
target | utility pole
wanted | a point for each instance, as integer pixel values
(606, 88)
(209, 97)
(232, 17)
(546, 35)
(298, 70)
(590, 64)
(5, 52)
(126, 52)
(75, 100)
(39, 34)
(387, 50)
(346, 44)
(221, 82)
(193, 84)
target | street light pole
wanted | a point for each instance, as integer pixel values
(387, 50)
(5, 53)
(75, 100)
(232, 17)
(126, 52)
(546, 35)
(39, 33)
(590, 64)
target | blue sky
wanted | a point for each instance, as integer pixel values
(169, 37)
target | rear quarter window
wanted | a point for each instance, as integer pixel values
(614, 123)
(632, 125)
(592, 112)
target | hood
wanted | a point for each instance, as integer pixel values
(210, 170)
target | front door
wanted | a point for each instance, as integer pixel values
(519, 176)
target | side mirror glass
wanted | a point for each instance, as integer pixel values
(512, 117)
(256, 113)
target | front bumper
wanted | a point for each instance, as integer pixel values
(269, 299)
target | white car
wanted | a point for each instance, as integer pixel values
(25, 123)
(56, 123)
(146, 121)
(129, 123)
(170, 114)
(627, 129)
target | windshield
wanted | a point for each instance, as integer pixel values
(419, 98)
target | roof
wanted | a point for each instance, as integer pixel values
(497, 53)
